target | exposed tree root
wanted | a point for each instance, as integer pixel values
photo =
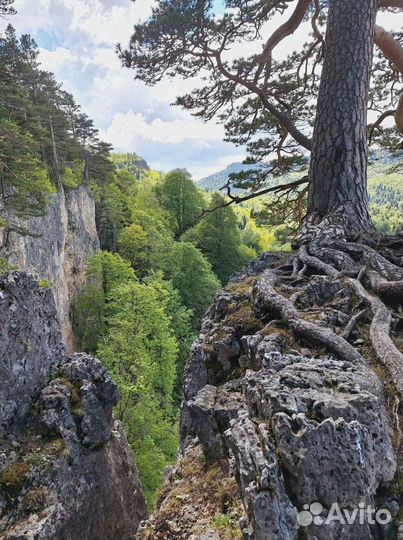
(392, 291)
(267, 296)
(317, 264)
(354, 267)
(369, 256)
(352, 324)
(382, 343)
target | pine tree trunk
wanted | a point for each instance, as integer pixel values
(55, 157)
(338, 198)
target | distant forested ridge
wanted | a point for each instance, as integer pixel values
(131, 162)
(385, 190)
(215, 181)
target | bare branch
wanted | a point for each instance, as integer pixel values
(393, 51)
(285, 29)
(390, 47)
(378, 122)
(391, 4)
(315, 17)
(283, 118)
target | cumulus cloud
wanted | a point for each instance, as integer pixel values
(77, 39)
(158, 130)
(179, 142)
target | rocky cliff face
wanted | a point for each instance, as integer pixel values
(66, 471)
(58, 249)
(312, 436)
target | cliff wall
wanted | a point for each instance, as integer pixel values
(66, 470)
(311, 433)
(58, 249)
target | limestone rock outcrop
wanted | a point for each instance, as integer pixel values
(66, 470)
(31, 346)
(304, 431)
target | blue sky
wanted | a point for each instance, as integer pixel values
(77, 39)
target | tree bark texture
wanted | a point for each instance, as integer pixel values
(338, 175)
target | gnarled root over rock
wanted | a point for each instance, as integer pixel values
(296, 380)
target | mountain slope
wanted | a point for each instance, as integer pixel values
(215, 181)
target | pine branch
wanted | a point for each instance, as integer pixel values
(238, 200)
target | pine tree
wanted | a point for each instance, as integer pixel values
(46, 141)
(269, 105)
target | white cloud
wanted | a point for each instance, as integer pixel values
(167, 144)
(78, 39)
(128, 127)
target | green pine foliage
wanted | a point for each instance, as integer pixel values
(24, 181)
(46, 142)
(6, 8)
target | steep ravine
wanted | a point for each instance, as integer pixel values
(66, 469)
(294, 424)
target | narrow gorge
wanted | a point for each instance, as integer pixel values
(66, 469)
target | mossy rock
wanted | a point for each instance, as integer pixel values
(13, 478)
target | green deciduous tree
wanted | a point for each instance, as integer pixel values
(219, 238)
(145, 243)
(181, 324)
(142, 333)
(191, 274)
(184, 202)
(105, 271)
(140, 351)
